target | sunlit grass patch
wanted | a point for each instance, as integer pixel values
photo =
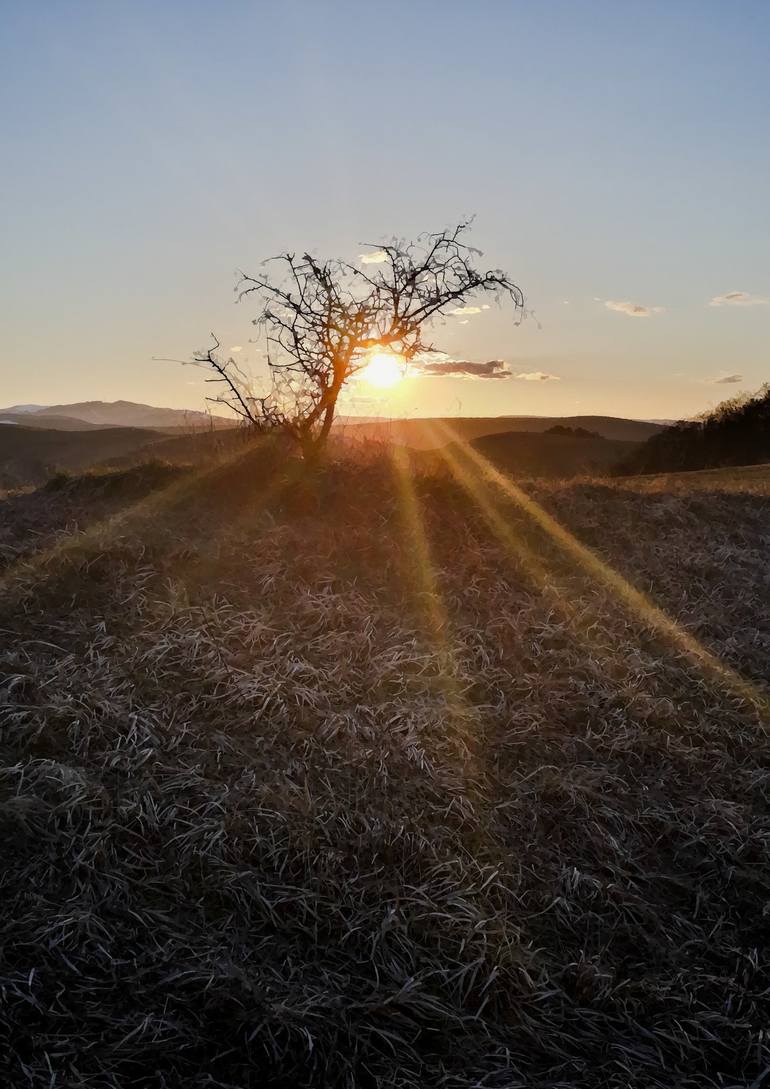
(243, 842)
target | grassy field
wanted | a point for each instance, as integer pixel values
(737, 478)
(381, 779)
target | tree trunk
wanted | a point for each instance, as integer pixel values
(326, 426)
(313, 446)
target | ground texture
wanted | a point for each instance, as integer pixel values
(376, 781)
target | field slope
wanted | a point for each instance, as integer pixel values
(735, 478)
(383, 780)
(544, 455)
(30, 455)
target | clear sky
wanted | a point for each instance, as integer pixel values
(612, 153)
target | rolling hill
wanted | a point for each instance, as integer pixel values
(30, 449)
(30, 455)
(423, 434)
(546, 455)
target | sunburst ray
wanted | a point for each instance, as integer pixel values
(633, 599)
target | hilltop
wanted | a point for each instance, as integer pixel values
(374, 778)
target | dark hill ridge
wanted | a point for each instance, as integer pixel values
(416, 433)
(552, 455)
(31, 455)
(521, 453)
(34, 444)
(545, 455)
(423, 433)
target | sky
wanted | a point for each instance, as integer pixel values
(615, 157)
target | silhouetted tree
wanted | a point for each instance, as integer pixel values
(323, 319)
(735, 432)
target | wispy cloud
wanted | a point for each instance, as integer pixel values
(537, 376)
(632, 310)
(727, 379)
(237, 348)
(375, 258)
(738, 298)
(464, 368)
(463, 310)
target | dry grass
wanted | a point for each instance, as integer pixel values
(273, 815)
(738, 478)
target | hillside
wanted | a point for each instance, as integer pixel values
(31, 455)
(425, 434)
(520, 453)
(378, 780)
(739, 478)
(25, 460)
(543, 455)
(188, 448)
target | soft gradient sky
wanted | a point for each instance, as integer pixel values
(611, 152)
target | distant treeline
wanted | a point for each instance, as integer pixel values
(736, 432)
(573, 432)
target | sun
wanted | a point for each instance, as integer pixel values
(384, 369)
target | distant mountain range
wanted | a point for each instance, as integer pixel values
(85, 415)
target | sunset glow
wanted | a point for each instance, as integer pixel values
(384, 370)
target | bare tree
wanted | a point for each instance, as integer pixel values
(323, 319)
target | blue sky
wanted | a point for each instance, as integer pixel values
(612, 152)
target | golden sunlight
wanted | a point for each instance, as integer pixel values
(384, 369)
